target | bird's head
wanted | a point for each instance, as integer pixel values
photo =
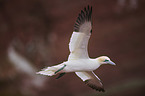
(105, 60)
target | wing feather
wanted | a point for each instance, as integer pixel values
(80, 37)
(91, 80)
(84, 21)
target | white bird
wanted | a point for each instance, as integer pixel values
(78, 60)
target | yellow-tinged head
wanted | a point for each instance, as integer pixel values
(105, 60)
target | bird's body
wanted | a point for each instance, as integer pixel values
(79, 60)
(81, 65)
(73, 66)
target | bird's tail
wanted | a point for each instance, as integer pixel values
(50, 71)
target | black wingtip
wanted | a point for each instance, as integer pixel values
(97, 88)
(85, 15)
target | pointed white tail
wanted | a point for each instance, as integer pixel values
(50, 71)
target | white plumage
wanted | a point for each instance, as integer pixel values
(78, 46)
(78, 60)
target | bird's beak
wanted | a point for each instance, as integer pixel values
(111, 62)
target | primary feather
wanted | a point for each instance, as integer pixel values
(79, 40)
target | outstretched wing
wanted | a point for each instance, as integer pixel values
(81, 34)
(91, 80)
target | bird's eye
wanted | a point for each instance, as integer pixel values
(106, 60)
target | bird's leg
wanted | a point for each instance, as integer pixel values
(60, 75)
(60, 69)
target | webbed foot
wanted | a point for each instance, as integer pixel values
(60, 75)
(60, 69)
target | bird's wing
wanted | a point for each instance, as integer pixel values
(91, 80)
(81, 34)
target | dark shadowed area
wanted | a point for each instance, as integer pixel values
(35, 34)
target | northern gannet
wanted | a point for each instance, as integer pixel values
(78, 60)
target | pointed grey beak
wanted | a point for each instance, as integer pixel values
(112, 63)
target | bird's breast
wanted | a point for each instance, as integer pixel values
(80, 65)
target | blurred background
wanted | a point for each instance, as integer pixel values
(35, 34)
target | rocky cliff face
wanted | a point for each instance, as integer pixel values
(38, 31)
